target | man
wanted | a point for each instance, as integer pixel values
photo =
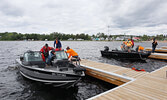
(58, 44)
(129, 45)
(139, 48)
(45, 52)
(154, 45)
(123, 46)
(71, 52)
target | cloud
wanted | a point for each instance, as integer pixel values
(84, 16)
(9, 9)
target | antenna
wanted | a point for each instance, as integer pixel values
(108, 32)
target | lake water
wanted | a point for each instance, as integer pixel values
(14, 87)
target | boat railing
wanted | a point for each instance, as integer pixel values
(75, 61)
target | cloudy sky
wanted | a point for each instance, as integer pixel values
(84, 16)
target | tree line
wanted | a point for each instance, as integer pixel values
(35, 36)
(10, 36)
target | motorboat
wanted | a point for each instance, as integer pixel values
(61, 72)
(125, 55)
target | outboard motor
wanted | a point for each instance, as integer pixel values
(106, 48)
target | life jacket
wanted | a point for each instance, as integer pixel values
(129, 44)
(46, 52)
(56, 41)
(125, 42)
(141, 48)
(154, 44)
(138, 69)
(123, 46)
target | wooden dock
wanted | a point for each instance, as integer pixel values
(162, 56)
(132, 84)
(164, 47)
(158, 50)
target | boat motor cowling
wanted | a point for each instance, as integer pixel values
(106, 48)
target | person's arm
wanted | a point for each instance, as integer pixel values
(69, 55)
(50, 48)
(68, 51)
(54, 44)
(42, 54)
(60, 44)
(41, 50)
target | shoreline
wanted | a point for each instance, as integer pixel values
(90, 40)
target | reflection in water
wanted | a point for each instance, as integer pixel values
(86, 88)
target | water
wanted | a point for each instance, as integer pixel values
(14, 87)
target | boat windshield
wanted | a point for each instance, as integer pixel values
(61, 55)
(32, 56)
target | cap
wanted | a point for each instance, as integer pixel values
(46, 45)
(68, 47)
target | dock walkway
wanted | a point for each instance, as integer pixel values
(132, 84)
(162, 56)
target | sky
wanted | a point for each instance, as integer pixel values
(131, 17)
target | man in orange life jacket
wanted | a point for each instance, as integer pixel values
(45, 52)
(71, 52)
(139, 48)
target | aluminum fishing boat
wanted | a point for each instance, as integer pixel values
(125, 55)
(61, 72)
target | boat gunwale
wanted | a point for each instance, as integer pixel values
(45, 70)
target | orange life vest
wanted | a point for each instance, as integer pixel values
(129, 44)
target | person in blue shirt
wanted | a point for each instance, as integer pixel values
(58, 44)
(51, 57)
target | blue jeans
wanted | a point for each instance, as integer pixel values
(49, 58)
(153, 49)
(75, 56)
(46, 59)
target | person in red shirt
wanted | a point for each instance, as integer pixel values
(71, 52)
(45, 52)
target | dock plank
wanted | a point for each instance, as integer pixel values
(162, 56)
(145, 86)
(150, 86)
